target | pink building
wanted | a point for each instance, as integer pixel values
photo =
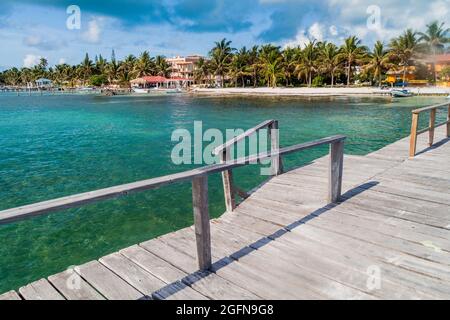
(183, 67)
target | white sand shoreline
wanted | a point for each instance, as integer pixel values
(316, 92)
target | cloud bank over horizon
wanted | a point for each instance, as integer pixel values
(172, 27)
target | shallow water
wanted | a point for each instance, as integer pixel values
(53, 146)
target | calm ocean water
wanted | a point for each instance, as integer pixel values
(54, 146)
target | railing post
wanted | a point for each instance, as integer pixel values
(432, 125)
(335, 171)
(448, 122)
(413, 142)
(274, 134)
(202, 223)
(228, 188)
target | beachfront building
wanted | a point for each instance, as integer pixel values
(158, 82)
(441, 62)
(183, 67)
(43, 83)
(395, 77)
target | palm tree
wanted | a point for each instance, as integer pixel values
(380, 61)
(126, 70)
(86, 68)
(253, 64)
(271, 62)
(435, 39)
(162, 67)
(100, 65)
(201, 70)
(26, 76)
(220, 59)
(12, 76)
(238, 66)
(112, 69)
(352, 51)
(404, 49)
(289, 63)
(330, 60)
(143, 66)
(307, 62)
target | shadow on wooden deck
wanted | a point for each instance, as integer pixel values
(189, 280)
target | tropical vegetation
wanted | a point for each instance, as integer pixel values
(312, 64)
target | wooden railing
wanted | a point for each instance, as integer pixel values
(430, 129)
(225, 153)
(199, 179)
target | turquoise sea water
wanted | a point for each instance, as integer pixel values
(54, 146)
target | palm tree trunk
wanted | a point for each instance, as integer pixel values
(434, 66)
(404, 77)
(332, 79)
(348, 73)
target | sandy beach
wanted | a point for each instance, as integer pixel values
(338, 91)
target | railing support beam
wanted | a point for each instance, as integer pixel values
(432, 124)
(413, 141)
(228, 187)
(274, 133)
(336, 169)
(202, 223)
(448, 122)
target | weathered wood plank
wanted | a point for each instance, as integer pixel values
(163, 270)
(11, 295)
(108, 283)
(40, 290)
(134, 275)
(73, 286)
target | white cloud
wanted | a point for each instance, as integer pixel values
(334, 31)
(316, 31)
(31, 60)
(93, 34)
(62, 61)
(33, 40)
(301, 39)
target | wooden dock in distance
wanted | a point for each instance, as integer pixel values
(388, 237)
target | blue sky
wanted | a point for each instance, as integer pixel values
(33, 29)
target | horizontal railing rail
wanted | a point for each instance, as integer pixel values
(225, 151)
(430, 129)
(266, 124)
(199, 178)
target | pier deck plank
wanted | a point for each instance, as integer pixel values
(389, 238)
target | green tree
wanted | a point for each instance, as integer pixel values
(307, 62)
(271, 62)
(352, 52)
(162, 67)
(201, 70)
(379, 61)
(143, 66)
(221, 56)
(435, 38)
(404, 49)
(330, 60)
(86, 68)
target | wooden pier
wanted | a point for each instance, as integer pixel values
(353, 227)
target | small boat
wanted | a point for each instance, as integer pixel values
(85, 89)
(401, 93)
(141, 90)
(172, 91)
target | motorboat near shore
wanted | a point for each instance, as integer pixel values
(156, 90)
(397, 93)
